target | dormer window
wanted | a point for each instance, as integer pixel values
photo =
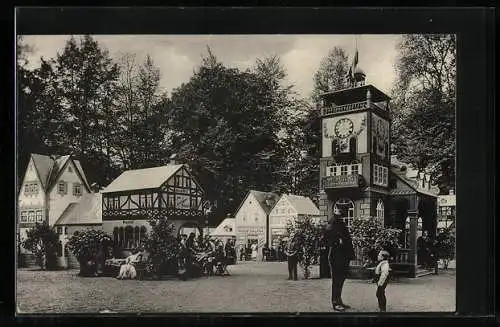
(77, 189)
(70, 169)
(62, 187)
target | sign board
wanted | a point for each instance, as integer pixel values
(128, 222)
(251, 230)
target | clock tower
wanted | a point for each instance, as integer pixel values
(355, 149)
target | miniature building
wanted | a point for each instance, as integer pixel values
(287, 209)
(50, 185)
(356, 173)
(251, 218)
(137, 196)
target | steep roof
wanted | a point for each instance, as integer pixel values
(222, 229)
(140, 179)
(49, 169)
(407, 186)
(266, 200)
(43, 165)
(86, 212)
(302, 205)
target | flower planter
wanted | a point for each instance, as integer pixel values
(314, 272)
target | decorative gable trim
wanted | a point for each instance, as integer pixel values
(60, 172)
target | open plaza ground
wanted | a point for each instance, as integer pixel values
(251, 287)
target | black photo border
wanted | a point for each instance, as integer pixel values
(475, 134)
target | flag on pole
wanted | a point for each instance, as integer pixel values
(354, 63)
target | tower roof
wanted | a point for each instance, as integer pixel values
(355, 94)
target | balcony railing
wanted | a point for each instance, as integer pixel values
(340, 181)
(332, 109)
(403, 256)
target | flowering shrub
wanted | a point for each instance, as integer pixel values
(308, 235)
(162, 246)
(42, 241)
(85, 245)
(446, 247)
(369, 237)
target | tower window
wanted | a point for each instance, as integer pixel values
(352, 145)
(380, 210)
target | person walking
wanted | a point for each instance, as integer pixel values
(291, 252)
(382, 278)
(340, 253)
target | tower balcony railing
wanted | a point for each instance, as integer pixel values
(333, 109)
(340, 181)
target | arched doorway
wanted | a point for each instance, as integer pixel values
(346, 208)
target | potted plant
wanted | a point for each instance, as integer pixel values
(162, 247)
(42, 241)
(446, 247)
(86, 245)
(308, 235)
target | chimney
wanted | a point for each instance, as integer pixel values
(451, 192)
(173, 159)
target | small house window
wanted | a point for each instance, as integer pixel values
(59, 230)
(61, 187)
(31, 217)
(39, 216)
(65, 230)
(24, 216)
(70, 169)
(26, 188)
(343, 170)
(354, 170)
(77, 189)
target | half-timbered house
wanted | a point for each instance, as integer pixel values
(137, 196)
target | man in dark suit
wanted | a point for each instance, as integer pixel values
(341, 252)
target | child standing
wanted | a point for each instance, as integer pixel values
(382, 278)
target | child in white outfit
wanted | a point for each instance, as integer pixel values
(382, 278)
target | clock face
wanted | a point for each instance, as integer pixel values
(344, 128)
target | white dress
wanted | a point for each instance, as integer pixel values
(254, 251)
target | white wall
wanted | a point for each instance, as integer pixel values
(59, 202)
(329, 126)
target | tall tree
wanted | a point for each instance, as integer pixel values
(86, 85)
(424, 105)
(331, 74)
(223, 124)
(142, 122)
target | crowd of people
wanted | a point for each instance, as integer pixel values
(205, 255)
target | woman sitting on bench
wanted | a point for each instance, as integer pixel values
(128, 269)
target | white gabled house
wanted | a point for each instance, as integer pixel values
(49, 186)
(287, 209)
(252, 218)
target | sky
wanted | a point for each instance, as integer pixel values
(178, 55)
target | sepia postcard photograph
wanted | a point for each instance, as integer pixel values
(237, 173)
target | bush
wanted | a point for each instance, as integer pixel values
(308, 236)
(446, 247)
(42, 240)
(369, 236)
(162, 246)
(85, 245)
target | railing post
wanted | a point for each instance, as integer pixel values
(413, 243)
